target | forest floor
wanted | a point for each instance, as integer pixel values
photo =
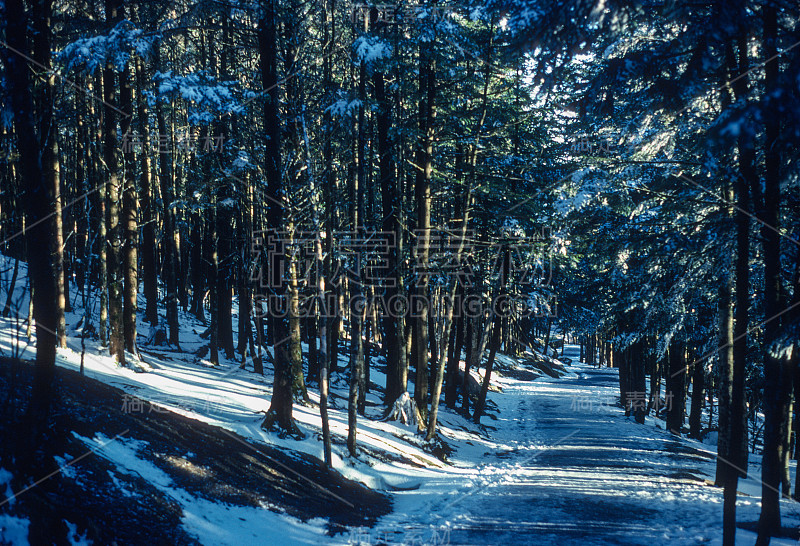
(170, 450)
(130, 472)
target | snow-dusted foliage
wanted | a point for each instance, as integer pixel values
(208, 97)
(370, 49)
(115, 48)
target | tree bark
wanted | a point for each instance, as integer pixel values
(738, 425)
(115, 270)
(499, 310)
(280, 409)
(777, 351)
(148, 250)
(698, 398)
(391, 320)
(676, 388)
(427, 112)
(130, 220)
(169, 231)
(48, 134)
(725, 340)
(38, 201)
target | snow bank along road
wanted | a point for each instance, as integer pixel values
(569, 468)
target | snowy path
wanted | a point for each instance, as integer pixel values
(571, 469)
(559, 465)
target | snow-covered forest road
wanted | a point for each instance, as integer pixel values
(574, 470)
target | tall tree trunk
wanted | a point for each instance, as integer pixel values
(738, 415)
(322, 263)
(38, 202)
(676, 387)
(212, 249)
(392, 323)
(357, 311)
(280, 409)
(115, 271)
(725, 340)
(424, 157)
(296, 172)
(226, 228)
(99, 216)
(148, 250)
(777, 351)
(130, 219)
(169, 232)
(698, 397)
(499, 310)
(48, 134)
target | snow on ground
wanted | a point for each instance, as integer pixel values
(558, 464)
(13, 529)
(566, 466)
(215, 523)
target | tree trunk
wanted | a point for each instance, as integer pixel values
(130, 210)
(148, 251)
(725, 309)
(454, 358)
(48, 135)
(777, 355)
(738, 415)
(198, 268)
(390, 201)
(212, 248)
(676, 388)
(38, 202)
(322, 263)
(638, 381)
(280, 410)
(116, 340)
(169, 232)
(499, 311)
(473, 356)
(698, 398)
(226, 263)
(621, 357)
(427, 112)
(99, 217)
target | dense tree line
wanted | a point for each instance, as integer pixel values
(688, 179)
(426, 184)
(277, 159)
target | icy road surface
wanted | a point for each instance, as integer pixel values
(569, 468)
